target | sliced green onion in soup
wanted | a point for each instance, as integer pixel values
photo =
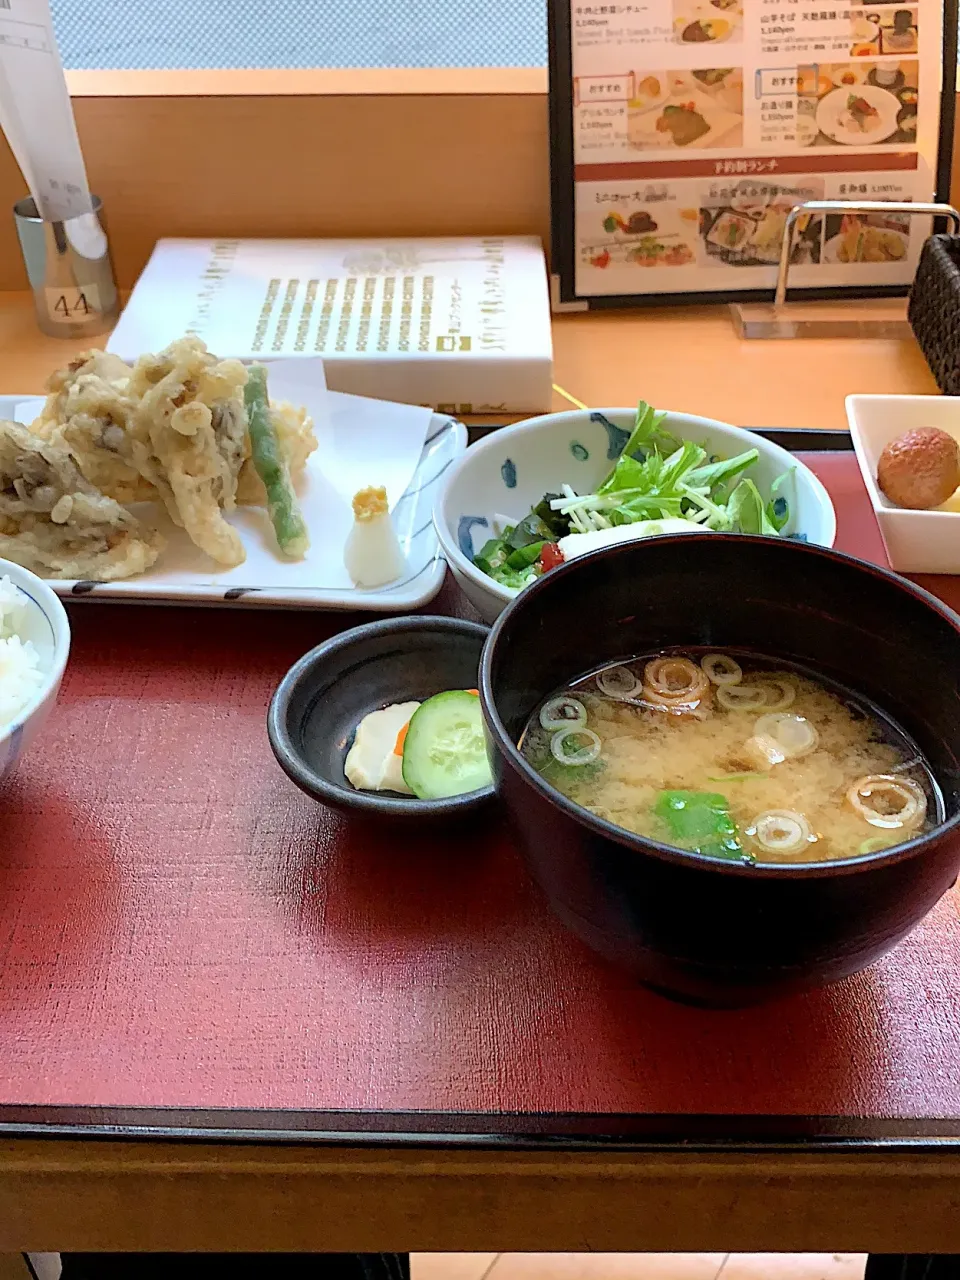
(563, 713)
(781, 692)
(781, 831)
(774, 693)
(742, 697)
(884, 800)
(674, 680)
(618, 682)
(721, 669)
(794, 735)
(575, 746)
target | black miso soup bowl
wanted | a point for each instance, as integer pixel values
(694, 927)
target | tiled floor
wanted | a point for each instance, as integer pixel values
(638, 1266)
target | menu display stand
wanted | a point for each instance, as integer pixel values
(685, 132)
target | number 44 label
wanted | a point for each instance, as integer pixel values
(70, 306)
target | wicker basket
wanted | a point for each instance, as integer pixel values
(934, 310)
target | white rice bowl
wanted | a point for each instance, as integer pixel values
(34, 647)
(21, 673)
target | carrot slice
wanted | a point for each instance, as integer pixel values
(475, 692)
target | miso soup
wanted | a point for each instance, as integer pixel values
(733, 756)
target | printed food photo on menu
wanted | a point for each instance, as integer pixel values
(866, 237)
(883, 30)
(643, 228)
(857, 104)
(707, 21)
(742, 224)
(694, 109)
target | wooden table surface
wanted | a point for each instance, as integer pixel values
(683, 358)
(190, 946)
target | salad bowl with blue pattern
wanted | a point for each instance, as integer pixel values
(606, 468)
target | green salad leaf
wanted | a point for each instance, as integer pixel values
(647, 436)
(530, 529)
(657, 476)
(748, 512)
(778, 508)
(723, 470)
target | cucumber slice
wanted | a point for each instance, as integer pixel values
(444, 753)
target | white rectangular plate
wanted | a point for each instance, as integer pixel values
(183, 574)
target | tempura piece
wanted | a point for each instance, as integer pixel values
(190, 440)
(282, 505)
(93, 394)
(94, 363)
(89, 411)
(172, 427)
(56, 523)
(296, 440)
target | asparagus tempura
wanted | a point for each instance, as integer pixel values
(272, 469)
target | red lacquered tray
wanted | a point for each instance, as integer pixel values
(188, 943)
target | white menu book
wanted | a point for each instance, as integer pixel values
(459, 324)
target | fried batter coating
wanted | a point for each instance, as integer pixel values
(90, 412)
(173, 426)
(190, 441)
(54, 522)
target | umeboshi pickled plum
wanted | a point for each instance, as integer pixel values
(920, 469)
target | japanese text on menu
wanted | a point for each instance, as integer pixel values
(699, 124)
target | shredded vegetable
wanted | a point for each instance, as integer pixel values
(794, 735)
(775, 693)
(742, 697)
(675, 680)
(657, 476)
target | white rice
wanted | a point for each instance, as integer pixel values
(20, 674)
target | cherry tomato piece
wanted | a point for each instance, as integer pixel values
(550, 556)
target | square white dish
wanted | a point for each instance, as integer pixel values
(916, 541)
(183, 574)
